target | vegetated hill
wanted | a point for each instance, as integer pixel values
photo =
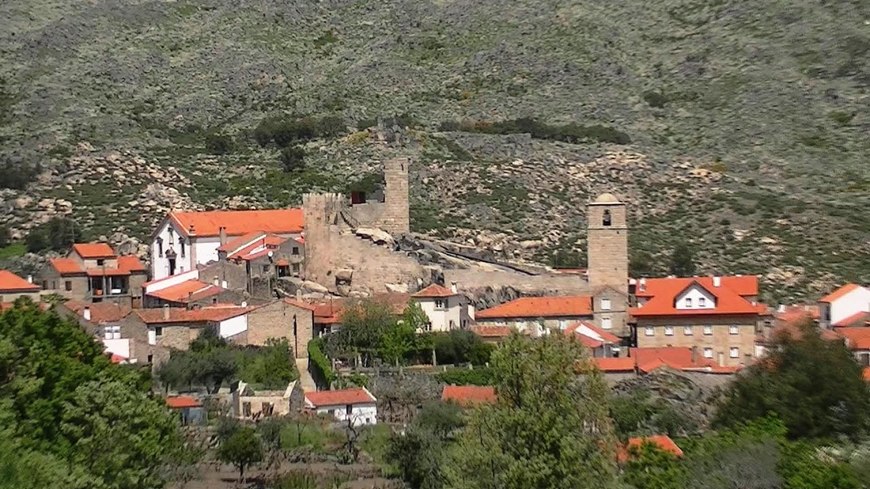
(738, 126)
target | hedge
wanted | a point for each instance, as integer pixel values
(322, 365)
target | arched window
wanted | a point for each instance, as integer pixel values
(160, 247)
(606, 219)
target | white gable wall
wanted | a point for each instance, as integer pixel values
(852, 303)
(696, 293)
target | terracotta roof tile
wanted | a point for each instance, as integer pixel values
(612, 365)
(237, 223)
(591, 335)
(833, 296)
(187, 291)
(130, 263)
(666, 292)
(9, 282)
(106, 272)
(866, 374)
(537, 307)
(857, 338)
(241, 241)
(66, 266)
(434, 291)
(182, 402)
(662, 442)
(743, 285)
(184, 315)
(101, 312)
(492, 331)
(93, 251)
(341, 397)
(469, 395)
(857, 319)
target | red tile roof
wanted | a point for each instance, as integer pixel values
(613, 365)
(591, 335)
(93, 251)
(241, 241)
(492, 331)
(540, 307)
(833, 296)
(66, 266)
(662, 442)
(434, 291)
(101, 312)
(679, 358)
(469, 395)
(187, 291)
(9, 282)
(106, 272)
(182, 402)
(743, 285)
(327, 313)
(341, 397)
(857, 338)
(237, 223)
(667, 291)
(183, 315)
(126, 266)
(130, 263)
(858, 319)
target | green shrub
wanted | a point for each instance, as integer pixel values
(460, 346)
(219, 144)
(4, 236)
(293, 158)
(462, 376)
(655, 99)
(17, 176)
(570, 133)
(57, 234)
(322, 366)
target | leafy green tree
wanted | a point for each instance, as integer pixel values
(461, 346)
(549, 429)
(293, 158)
(397, 341)
(242, 449)
(58, 234)
(420, 452)
(219, 144)
(363, 325)
(271, 366)
(682, 261)
(650, 467)
(814, 386)
(121, 435)
(5, 237)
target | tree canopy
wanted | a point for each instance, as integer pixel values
(682, 261)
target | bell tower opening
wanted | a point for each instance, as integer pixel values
(605, 221)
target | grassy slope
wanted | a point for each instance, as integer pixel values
(773, 92)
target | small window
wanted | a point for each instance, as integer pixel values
(158, 331)
(606, 220)
(649, 331)
(864, 359)
(67, 285)
(150, 358)
(702, 302)
(563, 323)
(100, 262)
(708, 330)
(735, 352)
(687, 330)
(246, 409)
(45, 284)
(181, 243)
(439, 304)
(265, 268)
(688, 302)
(708, 353)
(669, 330)
(606, 323)
(295, 250)
(348, 409)
(160, 247)
(605, 304)
(733, 330)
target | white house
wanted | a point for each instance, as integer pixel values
(185, 239)
(846, 306)
(447, 309)
(358, 406)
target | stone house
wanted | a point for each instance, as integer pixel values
(190, 293)
(357, 406)
(264, 257)
(189, 410)
(184, 240)
(446, 309)
(537, 315)
(717, 315)
(492, 334)
(92, 272)
(600, 342)
(247, 403)
(847, 306)
(103, 321)
(12, 287)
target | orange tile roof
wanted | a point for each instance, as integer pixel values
(66, 266)
(469, 395)
(341, 397)
(678, 358)
(237, 223)
(241, 241)
(9, 282)
(330, 312)
(492, 331)
(434, 291)
(106, 272)
(612, 365)
(101, 312)
(187, 291)
(93, 250)
(743, 285)
(590, 334)
(833, 296)
(182, 402)
(130, 263)
(663, 302)
(858, 319)
(536, 307)
(857, 338)
(662, 442)
(183, 315)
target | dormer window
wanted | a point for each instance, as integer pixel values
(702, 302)
(605, 221)
(688, 302)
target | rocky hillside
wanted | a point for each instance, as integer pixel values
(738, 127)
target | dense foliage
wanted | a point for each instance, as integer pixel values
(69, 413)
(58, 234)
(571, 132)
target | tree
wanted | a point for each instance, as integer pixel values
(363, 325)
(293, 158)
(397, 341)
(5, 236)
(549, 428)
(242, 449)
(461, 346)
(219, 144)
(58, 234)
(209, 362)
(815, 386)
(271, 366)
(420, 452)
(650, 467)
(682, 261)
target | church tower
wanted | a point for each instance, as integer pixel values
(607, 238)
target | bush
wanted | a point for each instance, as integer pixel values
(330, 126)
(655, 99)
(322, 366)
(219, 144)
(461, 346)
(462, 376)
(570, 133)
(17, 176)
(4, 236)
(57, 234)
(293, 158)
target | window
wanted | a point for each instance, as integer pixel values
(702, 302)
(605, 304)
(606, 220)
(649, 331)
(439, 304)
(160, 247)
(101, 262)
(295, 250)
(563, 323)
(606, 323)
(735, 352)
(348, 410)
(864, 359)
(733, 330)
(687, 331)
(265, 268)
(708, 330)
(181, 243)
(246, 409)
(67, 284)
(669, 330)
(150, 358)
(688, 302)
(158, 331)
(112, 332)
(708, 353)
(45, 284)
(452, 325)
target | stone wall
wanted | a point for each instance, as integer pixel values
(276, 321)
(720, 341)
(491, 287)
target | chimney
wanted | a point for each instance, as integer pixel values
(642, 284)
(717, 281)
(166, 312)
(298, 294)
(781, 308)
(30, 278)
(694, 355)
(216, 281)
(223, 235)
(244, 303)
(86, 313)
(454, 288)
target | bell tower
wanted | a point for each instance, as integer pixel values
(607, 238)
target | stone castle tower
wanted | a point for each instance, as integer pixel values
(607, 238)
(396, 217)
